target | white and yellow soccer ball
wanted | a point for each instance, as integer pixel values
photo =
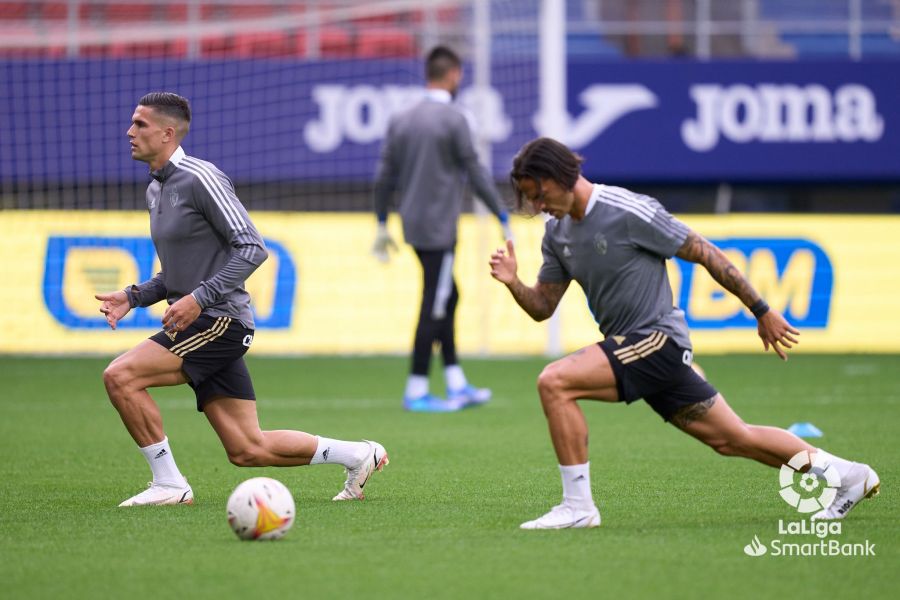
(261, 509)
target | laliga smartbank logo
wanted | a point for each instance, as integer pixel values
(755, 547)
(817, 486)
(77, 267)
(808, 486)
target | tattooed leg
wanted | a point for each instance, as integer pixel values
(716, 425)
(688, 414)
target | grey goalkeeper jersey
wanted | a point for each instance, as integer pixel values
(617, 253)
(427, 156)
(206, 243)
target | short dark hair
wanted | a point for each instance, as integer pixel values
(545, 158)
(440, 61)
(169, 104)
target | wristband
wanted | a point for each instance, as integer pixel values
(132, 297)
(759, 308)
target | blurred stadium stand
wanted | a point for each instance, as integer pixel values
(39, 25)
(613, 30)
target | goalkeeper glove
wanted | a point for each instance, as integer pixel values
(383, 243)
(504, 223)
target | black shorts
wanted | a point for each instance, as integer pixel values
(655, 368)
(213, 350)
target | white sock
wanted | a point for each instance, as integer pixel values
(576, 481)
(842, 466)
(338, 452)
(416, 386)
(455, 378)
(159, 457)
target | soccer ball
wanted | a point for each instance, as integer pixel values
(261, 509)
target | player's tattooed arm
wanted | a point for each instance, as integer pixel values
(773, 329)
(697, 249)
(539, 301)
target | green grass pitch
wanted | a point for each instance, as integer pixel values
(442, 520)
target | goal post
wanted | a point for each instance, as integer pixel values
(553, 112)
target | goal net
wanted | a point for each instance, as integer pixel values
(290, 99)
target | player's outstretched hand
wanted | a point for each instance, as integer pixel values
(180, 314)
(775, 331)
(503, 264)
(383, 243)
(114, 305)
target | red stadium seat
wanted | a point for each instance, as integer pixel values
(129, 13)
(14, 10)
(175, 12)
(393, 42)
(251, 11)
(217, 47)
(18, 53)
(95, 51)
(334, 42)
(51, 11)
(212, 11)
(102, 12)
(266, 44)
(166, 49)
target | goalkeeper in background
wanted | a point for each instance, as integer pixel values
(427, 157)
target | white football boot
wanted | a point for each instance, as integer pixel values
(860, 483)
(157, 494)
(565, 516)
(357, 476)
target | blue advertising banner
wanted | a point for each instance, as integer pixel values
(276, 120)
(745, 120)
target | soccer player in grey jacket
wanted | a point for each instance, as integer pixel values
(207, 247)
(427, 156)
(614, 243)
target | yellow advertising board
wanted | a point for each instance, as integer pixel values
(837, 278)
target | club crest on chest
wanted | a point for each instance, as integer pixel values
(172, 194)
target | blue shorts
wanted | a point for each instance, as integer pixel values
(213, 350)
(655, 368)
